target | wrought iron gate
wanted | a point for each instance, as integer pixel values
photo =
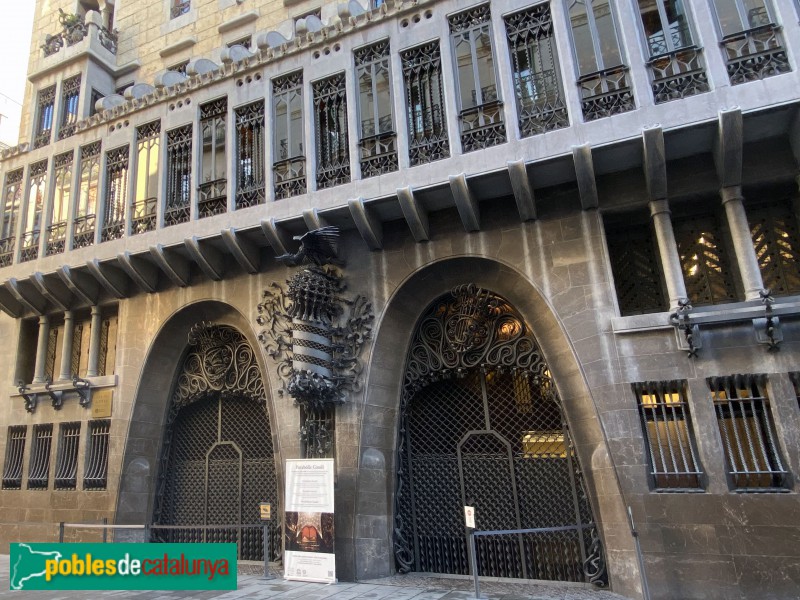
(217, 459)
(482, 424)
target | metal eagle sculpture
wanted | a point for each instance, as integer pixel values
(318, 247)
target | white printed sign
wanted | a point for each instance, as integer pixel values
(469, 516)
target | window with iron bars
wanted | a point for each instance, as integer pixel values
(774, 230)
(93, 100)
(250, 185)
(179, 175)
(668, 437)
(537, 84)
(39, 467)
(15, 452)
(86, 207)
(145, 196)
(95, 474)
(318, 432)
(378, 143)
(752, 455)
(212, 198)
(45, 106)
(479, 101)
(179, 7)
(425, 107)
(116, 194)
(330, 119)
(602, 74)
(70, 95)
(12, 198)
(59, 211)
(675, 62)
(289, 166)
(67, 457)
(34, 208)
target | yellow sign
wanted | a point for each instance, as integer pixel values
(266, 511)
(101, 403)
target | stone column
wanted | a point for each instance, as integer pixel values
(66, 347)
(733, 202)
(94, 342)
(39, 376)
(668, 250)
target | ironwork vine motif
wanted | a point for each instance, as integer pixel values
(481, 423)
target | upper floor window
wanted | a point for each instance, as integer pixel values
(59, 211)
(250, 155)
(45, 106)
(212, 198)
(179, 175)
(330, 118)
(116, 194)
(179, 7)
(86, 207)
(734, 16)
(145, 195)
(774, 229)
(289, 168)
(34, 209)
(12, 197)
(378, 139)
(15, 452)
(70, 94)
(666, 25)
(481, 111)
(67, 457)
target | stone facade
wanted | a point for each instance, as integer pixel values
(539, 220)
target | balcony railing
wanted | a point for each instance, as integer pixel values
(143, 216)
(541, 106)
(56, 238)
(755, 54)
(212, 198)
(482, 126)
(290, 177)
(378, 154)
(30, 246)
(74, 32)
(606, 93)
(83, 234)
(677, 74)
(7, 246)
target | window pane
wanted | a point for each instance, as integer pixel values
(607, 34)
(281, 129)
(368, 125)
(466, 78)
(296, 124)
(582, 36)
(382, 86)
(728, 16)
(756, 13)
(483, 53)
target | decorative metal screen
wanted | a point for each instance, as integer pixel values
(537, 85)
(116, 194)
(330, 117)
(774, 229)
(15, 452)
(12, 198)
(50, 358)
(217, 460)
(427, 121)
(212, 196)
(289, 166)
(748, 436)
(704, 260)
(77, 347)
(95, 475)
(45, 102)
(67, 457)
(179, 175)
(102, 355)
(318, 432)
(250, 189)
(378, 141)
(57, 228)
(39, 466)
(70, 94)
(85, 216)
(34, 210)
(145, 196)
(666, 426)
(481, 424)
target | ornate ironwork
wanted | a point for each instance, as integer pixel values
(37, 185)
(318, 432)
(180, 7)
(250, 189)
(83, 231)
(678, 74)
(217, 459)
(427, 126)
(102, 355)
(469, 19)
(482, 126)
(15, 452)
(289, 170)
(330, 117)
(96, 474)
(70, 94)
(145, 199)
(212, 198)
(116, 194)
(755, 54)
(682, 321)
(45, 103)
(634, 263)
(705, 265)
(771, 325)
(481, 424)
(776, 240)
(606, 93)
(39, 466)
(537, 86)
(179, 175)
(378, 143)
(77, 347)
(67, 457)
(108, 39)
(12, 198)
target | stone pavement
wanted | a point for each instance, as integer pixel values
(399, 587)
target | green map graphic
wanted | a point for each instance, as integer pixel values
(27, 563)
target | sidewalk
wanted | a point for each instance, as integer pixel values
(399, 587)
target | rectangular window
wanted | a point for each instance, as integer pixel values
(668, 437)
(116, 194)
(145, 197)
(748, 436)
(537, 85)
(15, 451)
(774, 229)
(95, 98)
(318, 433)
(179, 175)
(289, 168)
(212, 196)
(70, 95)
(480, 106)
(34, 208)
(96, 473)
(250, 189)
(378, 141)
(427, 121)
(330, 119)
(179, 67)
(244, 42)
(85, 211)
(67, 457)
(39, 467)
(45, 106)
(57, 229)
(179, 7)
(12, 198)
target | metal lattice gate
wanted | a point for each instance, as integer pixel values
(482, 425)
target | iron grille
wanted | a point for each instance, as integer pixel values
(116, 194)
(179, 175)
(752, 456)
(67, 457)
(10, 213)
(57, 229)
(102, 356)
(145, 199)
(84, 224)
(775, 236)
(96, 473)
(77, 343)
(37, 185)
(667, 431)
(39, 467)
(289, 170)
(755, 54)
(46, 106)
(250, 189)
(70, 94)
(378, 141)
(704, 260)
(330, 116)
(678, 74)
(537, 85)
(606, 93)
(212, 196)
(50, 359)
(318, 432)
(15, 451)
(427, 126)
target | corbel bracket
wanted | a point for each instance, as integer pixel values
(56, 396)
(683, 325)
(82, 388)
(31, 398)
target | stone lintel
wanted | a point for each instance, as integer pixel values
(466, 202)
(172, 264)
(313, 219)
(238, 21)
(81, 284)
(208, 258)
(9, 304)
(275, 235)
(143, 272)
(415, 214)
(654, 162)
(368, 225)
(53, 290)
(523, 192)
(29, 298)
(111, 278)
(243, 250)
(728, 148)
(181, 44)
(584, 175)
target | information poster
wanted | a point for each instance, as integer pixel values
(309, 533)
